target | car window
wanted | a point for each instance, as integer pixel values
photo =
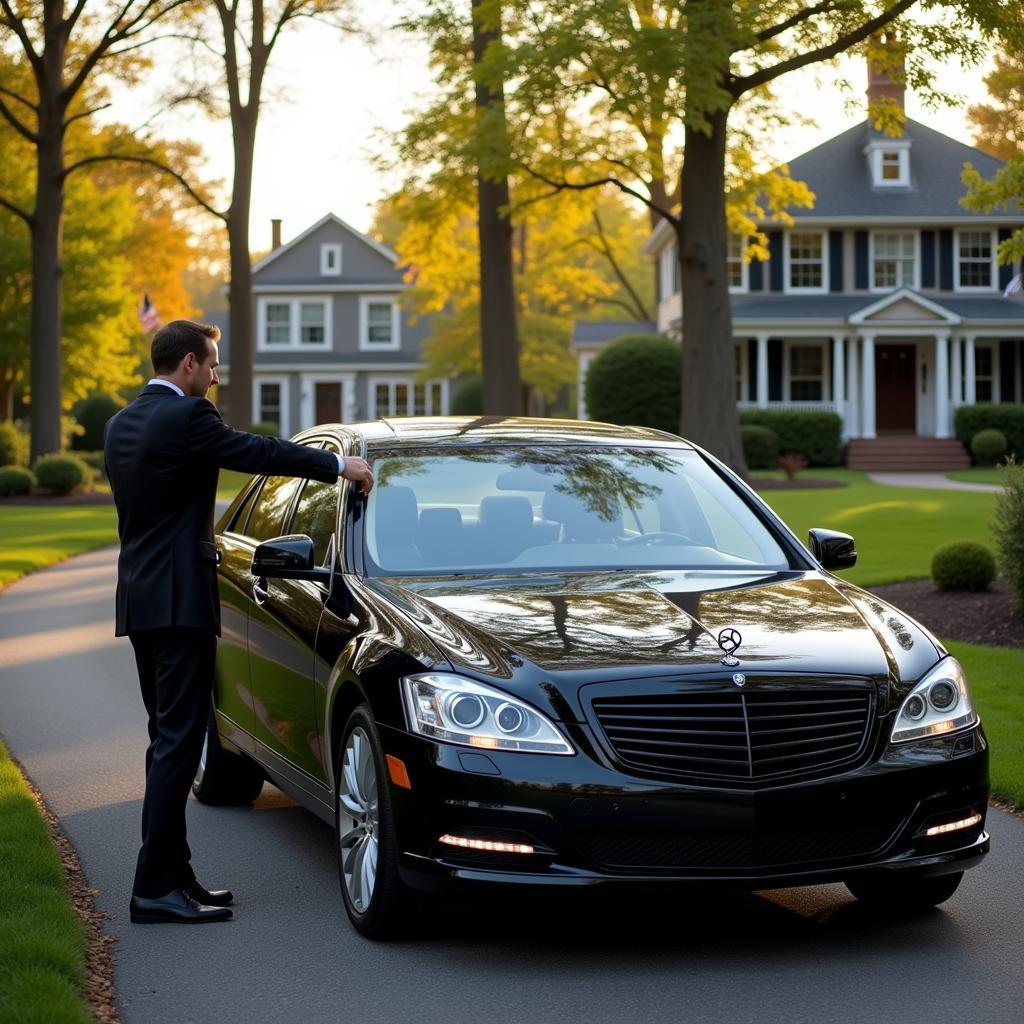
(316, 514)
(267, 519)
(236, 521)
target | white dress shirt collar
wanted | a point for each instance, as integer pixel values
(167, 384)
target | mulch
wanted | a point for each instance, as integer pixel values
(38, 497)
(800, 483)
(986, 617)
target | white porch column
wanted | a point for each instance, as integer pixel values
(867, 425)
(942, 385)
(970, 389)
(762, 371)
(957, 376)
(839, 380)
(853, 376)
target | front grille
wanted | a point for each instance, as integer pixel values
(731, 849)
(748, 736)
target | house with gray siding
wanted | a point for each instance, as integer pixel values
(883, 302)
(332, 342)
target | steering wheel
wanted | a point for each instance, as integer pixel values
(658, 537)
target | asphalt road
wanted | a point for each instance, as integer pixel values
(70, 711)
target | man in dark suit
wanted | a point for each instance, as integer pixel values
(162, 455)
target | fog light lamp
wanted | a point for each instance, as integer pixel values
(484, 844)
(953, 826)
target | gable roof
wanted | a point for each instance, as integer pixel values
(282, 249)
(837, 172)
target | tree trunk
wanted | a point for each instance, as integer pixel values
(240, 316)
(47, 272)
(499, 336)
(709, 415)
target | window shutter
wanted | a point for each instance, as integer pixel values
(775, 267)
(752, 369)
(860, 260)
(927, 259)
(756, 276)
(946, 259)
(835, 261)
(774, 369)
(1007, 368)
(1005, 269)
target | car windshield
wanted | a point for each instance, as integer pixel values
(549, 508)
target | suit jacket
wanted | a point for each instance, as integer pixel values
(163, 453)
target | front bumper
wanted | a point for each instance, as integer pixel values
(591, 824)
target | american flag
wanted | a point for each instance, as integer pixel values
(148, 316)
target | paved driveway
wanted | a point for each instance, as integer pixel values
(70, 710)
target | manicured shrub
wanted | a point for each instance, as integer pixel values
(94, 460)
(988, 446)
(963, 565)
(16, 480)
(817, 436)
(92, 414)
(266, 429)
(13, 446)
(468, 399)
(1008, 529)
(635, 380)
(61, 473)
(760, 446)
(1005, 416)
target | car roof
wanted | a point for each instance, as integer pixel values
(466, 431)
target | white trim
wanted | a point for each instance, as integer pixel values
(307, 396)
(788, 344)
(330, 249)
(411, 383)
(584, 356)
(668, 260)
(661, 229)
(878, 218)
(339, 367)
(875, 150)
(257, 408)
(289, 288)
(326, 218)
(947, 315)
(787, 288)
(744, 286)
(993, 265)
(294, 323)
(916, 280)
(364, 327)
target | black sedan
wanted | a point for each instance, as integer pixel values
(561, 653)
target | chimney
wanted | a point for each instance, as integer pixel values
(886, 71)
(275, 233)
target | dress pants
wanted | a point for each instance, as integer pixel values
(176, 675)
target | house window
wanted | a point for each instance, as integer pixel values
(330, 260)
(293, 323)
(401, 396)
(890, 163)
(975, 260)
(736, 268)
(806, 373)
(894, 260)
(806, 261)
(378, 323)
(270, 402)
(984, 375)
(279, 323)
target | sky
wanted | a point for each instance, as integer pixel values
(336, 98)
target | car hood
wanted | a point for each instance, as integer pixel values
(573, 628)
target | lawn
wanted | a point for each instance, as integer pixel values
(34, 536)
(996, 676)
(897, 529)
(230, 483)
(42, 941)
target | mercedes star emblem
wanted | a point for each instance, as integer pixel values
(739, 678)
(729, 640)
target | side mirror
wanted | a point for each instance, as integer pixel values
(288, 558)
(833, 550)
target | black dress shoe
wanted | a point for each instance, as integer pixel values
(209, 897)
(176, 907)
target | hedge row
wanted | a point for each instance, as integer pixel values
(1006, 418)
(818, 436)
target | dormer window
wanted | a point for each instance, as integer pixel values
(330, 259)
(889, 161)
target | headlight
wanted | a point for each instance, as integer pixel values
(939, 704)
(456, 710)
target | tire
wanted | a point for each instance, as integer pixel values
(377, 902)
(224, 777)
(905, 893)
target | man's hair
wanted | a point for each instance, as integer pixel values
(176, 339)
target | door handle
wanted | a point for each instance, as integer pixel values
(260, 593)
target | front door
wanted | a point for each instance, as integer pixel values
(328, 402)
(895, 393)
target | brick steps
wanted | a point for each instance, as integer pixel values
(906, 454)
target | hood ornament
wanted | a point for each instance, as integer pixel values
(729, 640)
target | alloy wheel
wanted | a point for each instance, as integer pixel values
(359, 821)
